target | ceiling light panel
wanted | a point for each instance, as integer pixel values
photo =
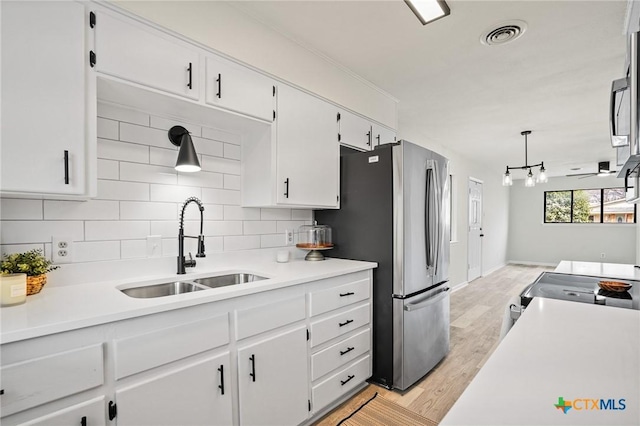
(428, 10)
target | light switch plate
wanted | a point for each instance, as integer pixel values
(154, 246)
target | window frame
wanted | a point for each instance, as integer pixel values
(544, 207)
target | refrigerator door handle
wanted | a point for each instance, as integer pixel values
(428, 302)
(432, 216)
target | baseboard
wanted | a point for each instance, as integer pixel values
(526, 262)
(494, 269)
(459, 286)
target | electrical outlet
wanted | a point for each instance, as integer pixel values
(603, 255)
(61, 249)
(288, 237)
(154, 246)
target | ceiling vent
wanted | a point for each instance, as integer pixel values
(503, 33)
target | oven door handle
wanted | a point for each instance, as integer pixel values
(428, 302)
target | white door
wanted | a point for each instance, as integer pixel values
(199, 394)
(355, 131)
(273, 380)
(475, 230)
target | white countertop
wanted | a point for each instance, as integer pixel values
(596, 269)
(558, 349)
(60, 307)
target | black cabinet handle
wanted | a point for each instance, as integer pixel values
(190, 69)
(1, 391)
(83, 421)
(252, 358)
(113, 410)
(342, 324)
(349, 349)
(219, 81)
(378, 138)
(286, 188)
(66, 167)
(344, 382)
(221, 385)
(369, 138)
(350, 293)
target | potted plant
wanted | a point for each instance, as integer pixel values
(32, 263)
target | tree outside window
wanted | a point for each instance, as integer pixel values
(607, 205)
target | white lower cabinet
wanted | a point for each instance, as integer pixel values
(197, 394)
(273, 380)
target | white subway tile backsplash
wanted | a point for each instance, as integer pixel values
(20, 209)
(232, 182)
(220, 196)
(221, 135)
(148, 173)
(207, 146)
(220, 165)
(81, 210)
(273, 240)
(258, 227)
(202, 179)
(144, 135)
(167, 123)
(122, 114)
(107, 129)
(223, 227)
(130, 249)
(275, 214)
(112, 150)
(241, 213)
(108, 169)
(174, 193)
(116, 190)
(20, 248)
(96, 250)
(211, 212)
(297, 214)
(168, 229)
(163, 157)
(24, 232)
(170, 247)
(291, 225)
(246, 242)
(232, 151)
(138, 210)
(116, 230)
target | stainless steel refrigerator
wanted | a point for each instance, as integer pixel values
(394, 210)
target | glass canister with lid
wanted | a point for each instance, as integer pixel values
(314, 238)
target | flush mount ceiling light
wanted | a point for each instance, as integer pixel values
(529, 181)
(428, 10)
(187, 157)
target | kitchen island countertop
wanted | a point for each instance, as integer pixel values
(620, 271)
(559, 349)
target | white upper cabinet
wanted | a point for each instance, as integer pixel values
(307, 155)
(48, 121)
(232, 86)
(143, 55)
(381, 135)
(354, 131)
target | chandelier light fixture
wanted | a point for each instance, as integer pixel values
(529, 181)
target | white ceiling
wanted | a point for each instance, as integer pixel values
(472, 98)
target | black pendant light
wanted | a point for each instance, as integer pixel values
(187, 157)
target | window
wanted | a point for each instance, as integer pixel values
(607, 205)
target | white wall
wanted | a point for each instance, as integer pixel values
(140, 193)
(221, 26)
(531, 240)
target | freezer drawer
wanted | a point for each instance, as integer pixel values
(421, 330)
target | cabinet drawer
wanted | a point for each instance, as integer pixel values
(91, 411)
(40, 380)
(340, 383)
(333, 298)
(339, 354)
(339, 324)
(250, 322)
(145, 351)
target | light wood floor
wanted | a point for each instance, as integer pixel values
(476, 318)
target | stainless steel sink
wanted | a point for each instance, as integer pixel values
(161, 290)
(230, 279)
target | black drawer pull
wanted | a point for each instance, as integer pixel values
(344, 382)
(1, 391)
(252, 358)
(219, 81)
(190, 70)
(221, 385)
(350, 293)
(66, 167)
(83, 421)
(349, 349)
(286, 188)
(342, 324)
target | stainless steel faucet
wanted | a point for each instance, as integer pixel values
(182, 262)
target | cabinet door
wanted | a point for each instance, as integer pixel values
(90, 413)
(273, 380)
(355, 131)
(199, 394)
(143, 56)
(307, 154)
(44, 78)
(240, 89)
(382, 135)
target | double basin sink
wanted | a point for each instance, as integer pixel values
(180, 287)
